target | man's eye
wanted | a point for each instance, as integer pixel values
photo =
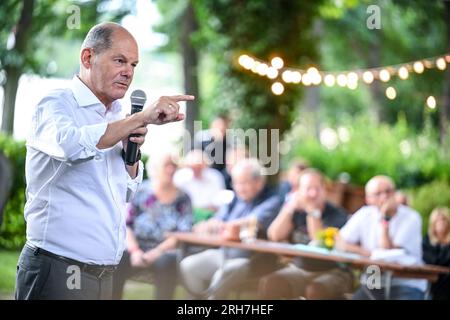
(120, 61)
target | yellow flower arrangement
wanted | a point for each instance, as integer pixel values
(326, 237)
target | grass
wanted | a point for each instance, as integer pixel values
(8, 261)
(133, 290)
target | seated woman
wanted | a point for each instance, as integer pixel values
(158, 207)
(436, 250)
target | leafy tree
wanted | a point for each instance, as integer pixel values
(265, 29)
(180, 24)
(409, 31)
(29, 28)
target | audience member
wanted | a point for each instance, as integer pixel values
(436, 250)
(158, 207)
(383, 225)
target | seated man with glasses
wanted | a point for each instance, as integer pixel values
(383, 225)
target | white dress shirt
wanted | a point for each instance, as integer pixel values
(405, 231)
(76, 193)
(204, 192)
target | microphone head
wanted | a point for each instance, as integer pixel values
(138, 98)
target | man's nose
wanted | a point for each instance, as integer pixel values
(127, 71)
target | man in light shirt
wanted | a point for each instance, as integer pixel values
(77, 180)
(203, 184)
(380, 226)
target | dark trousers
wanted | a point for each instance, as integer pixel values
(163, 273)
(43, 277)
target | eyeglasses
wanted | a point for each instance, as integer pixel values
(381, 192)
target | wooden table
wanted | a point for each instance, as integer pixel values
(428, 272)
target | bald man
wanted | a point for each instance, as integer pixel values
(77, 180)
(385, 224)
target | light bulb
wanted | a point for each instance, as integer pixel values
(277, 62)
(431, 102)
(384, 75)
(329, 80)
(441, 64)
(306, 79)
(418, 67)
(272, 73)
(368, 77)
(287, 76)
(403, 73)
(296, 77)
(341, 80)
(391, 93)
(277, 88)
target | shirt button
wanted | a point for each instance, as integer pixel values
(98, 158)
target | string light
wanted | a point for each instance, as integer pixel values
(272, 73)
(441, 64)
(431, 102)
(418, 67)
(352, 80)
(306, 79)
(313, 76)
(384, 75)
(391, 93)
(403, 73)
(368, 77)
(286, 76)
(329, 80)
(296, 77)
(262, 69)
(341, 80)
(277, 88)
(277, 63)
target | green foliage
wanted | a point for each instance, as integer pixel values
(12, 230)
(228, 28)
(410, 30)
(49, 29)
(362, 148)
(428, 197)
(8, 273)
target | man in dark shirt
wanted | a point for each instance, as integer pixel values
(213, 142)
(305, 214)
(436, 250)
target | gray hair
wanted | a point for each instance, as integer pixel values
(99, 38)
(251, 165)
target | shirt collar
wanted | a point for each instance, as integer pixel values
(85, 97)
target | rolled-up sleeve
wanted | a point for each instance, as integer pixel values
(56, 133)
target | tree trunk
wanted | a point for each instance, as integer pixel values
(376, 109)
(13, 73)
(9, 100)
(190, 66)
(444, 111)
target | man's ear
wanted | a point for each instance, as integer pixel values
(86, 57)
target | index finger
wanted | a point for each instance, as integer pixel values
(182, 97)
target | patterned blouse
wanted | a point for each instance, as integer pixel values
(150, 219)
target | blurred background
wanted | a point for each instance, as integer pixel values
(368, 90)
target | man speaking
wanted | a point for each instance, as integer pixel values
(77, 179)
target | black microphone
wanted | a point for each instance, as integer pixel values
(138, 99)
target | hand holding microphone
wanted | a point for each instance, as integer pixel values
(138, 99)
